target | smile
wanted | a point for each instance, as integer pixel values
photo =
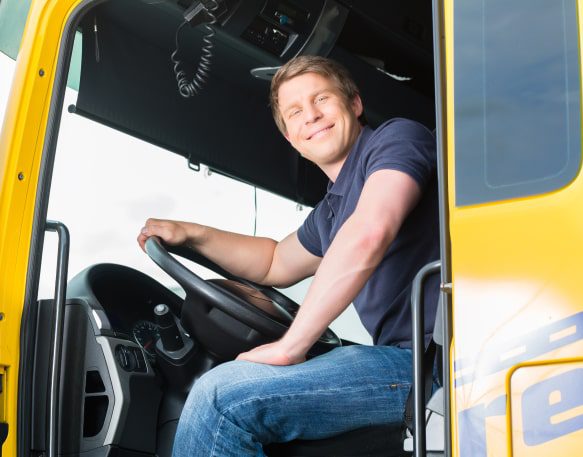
(320, 132)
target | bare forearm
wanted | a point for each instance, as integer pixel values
(246, 256)
(347, 266)
(258, 259)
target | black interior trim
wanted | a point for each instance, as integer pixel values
(26, 382)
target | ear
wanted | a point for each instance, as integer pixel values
(356, 105)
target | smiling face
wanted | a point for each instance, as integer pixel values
(320, 123)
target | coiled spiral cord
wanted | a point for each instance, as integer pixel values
(190, 88)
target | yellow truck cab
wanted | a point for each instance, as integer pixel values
(82, 370)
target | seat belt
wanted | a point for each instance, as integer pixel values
(428, 361)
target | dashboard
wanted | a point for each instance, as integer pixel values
(123, 300)
(125, 386)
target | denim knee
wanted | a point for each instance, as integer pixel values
(204, 429)
(228, 383)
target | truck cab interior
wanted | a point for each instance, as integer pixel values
(193, 78)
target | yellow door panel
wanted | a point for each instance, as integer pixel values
(515, 251)
(21, 145)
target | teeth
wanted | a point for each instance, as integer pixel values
(321, 131)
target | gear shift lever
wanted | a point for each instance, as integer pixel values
(169, 333)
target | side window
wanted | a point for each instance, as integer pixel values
(517, 98)
(13, 15)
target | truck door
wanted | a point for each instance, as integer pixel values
(514, 154)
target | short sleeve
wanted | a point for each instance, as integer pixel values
(308, 233)
(403, 145)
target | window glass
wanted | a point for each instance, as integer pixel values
(13, 15)
(517, 98)
(105, 184)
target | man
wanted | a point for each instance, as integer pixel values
(364, 242)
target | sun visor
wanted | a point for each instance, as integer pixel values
(127, 83)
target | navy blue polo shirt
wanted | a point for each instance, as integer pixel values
(383, 304)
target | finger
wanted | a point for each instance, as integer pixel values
(250, 355)
(152, 230)
(154, 221)
(162, 231)
(147, 230)
(152, 226)
(242, 356)
(142, 241)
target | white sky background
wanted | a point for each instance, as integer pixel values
(106, 184)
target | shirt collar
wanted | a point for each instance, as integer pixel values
(344, 178)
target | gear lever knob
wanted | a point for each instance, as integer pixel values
(169, 333)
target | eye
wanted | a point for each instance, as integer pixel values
(321, 98)
(294, 112)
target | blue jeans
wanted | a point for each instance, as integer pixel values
(237, 407)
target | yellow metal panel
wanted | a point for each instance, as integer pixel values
(21, 143)
(449, 145)
(516, 271)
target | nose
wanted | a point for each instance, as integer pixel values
(311, 113)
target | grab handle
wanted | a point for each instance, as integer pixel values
(58, 319)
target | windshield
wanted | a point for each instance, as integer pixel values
(106, 184)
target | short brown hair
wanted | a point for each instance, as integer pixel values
(311, 64)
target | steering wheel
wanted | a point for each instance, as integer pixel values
(232, 315)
